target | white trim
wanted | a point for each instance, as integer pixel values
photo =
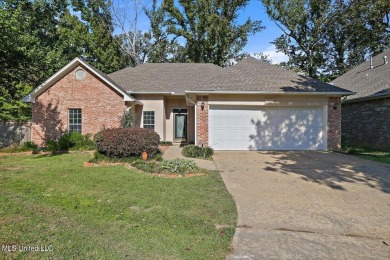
(325, 123)
(268, 103)
(65, 70)
(196, 125)
(268, 92)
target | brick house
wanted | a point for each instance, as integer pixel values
(366, 115)
(250, 106)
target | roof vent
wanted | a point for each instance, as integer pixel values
(371, 66)
(385, 60)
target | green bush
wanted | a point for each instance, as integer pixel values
(166, 143)
(52, 146)
(194, 151)
(71, 141)
(15, 148)
(179, 166)
(29, 146)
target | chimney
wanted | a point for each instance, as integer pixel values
(371, 66)
(385, 60)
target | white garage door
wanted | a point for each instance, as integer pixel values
(266, 128)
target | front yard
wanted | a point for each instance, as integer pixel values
(110, 212)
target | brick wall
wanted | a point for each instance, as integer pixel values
(367, 123)
(334, 124)
(101, 107)
(202, 121)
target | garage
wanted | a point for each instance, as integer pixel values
(267, 127)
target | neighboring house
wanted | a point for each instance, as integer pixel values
(366, 115)
(250, 106)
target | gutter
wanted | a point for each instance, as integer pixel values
(206, 92)
(366, 98)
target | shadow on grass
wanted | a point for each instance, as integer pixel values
(331, 169)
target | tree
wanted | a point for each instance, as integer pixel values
(324, 38)
(39, 37)
(162, 48)
(101, 50)
(209, 28)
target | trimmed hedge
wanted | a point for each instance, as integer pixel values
(125, 142)
(194, 151)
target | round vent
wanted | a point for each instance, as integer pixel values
(80, 74)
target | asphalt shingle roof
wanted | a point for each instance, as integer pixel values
(249, 74)
(365, 81)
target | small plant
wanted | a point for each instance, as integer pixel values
(71, 141)
(127, 142)
(24, 147)
(179, 166)
(194, 151)
(150, 167)
(127, 120)
(52, 146)
(166, 143)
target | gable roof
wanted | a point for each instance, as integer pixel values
(248, 75)
(166, 77)
(252, 74)
(69, 67)
(368, 82)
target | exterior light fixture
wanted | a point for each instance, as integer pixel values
(202, 105)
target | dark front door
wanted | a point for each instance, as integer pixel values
(180, 127)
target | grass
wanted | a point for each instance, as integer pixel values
(369, 154)
(110, 212)
(378, 156)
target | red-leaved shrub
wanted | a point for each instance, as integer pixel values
(125, 142)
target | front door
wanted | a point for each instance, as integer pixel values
(180, 125)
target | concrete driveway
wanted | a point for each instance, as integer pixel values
(308, 205)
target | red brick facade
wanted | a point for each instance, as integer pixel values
(334, 123)
(101, 107)
(202, 121)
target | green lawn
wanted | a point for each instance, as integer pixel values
(375, 156)
(110, 212)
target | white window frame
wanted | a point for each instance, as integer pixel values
(151, 124)
(79, 115)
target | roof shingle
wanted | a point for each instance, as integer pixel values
(249, 74)
(365, 81)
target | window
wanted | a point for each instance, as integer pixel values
(75, 119)
(149, 119)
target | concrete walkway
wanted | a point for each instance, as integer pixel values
(174, 152)
(308, 205)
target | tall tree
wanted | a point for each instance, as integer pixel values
(102, 51)
(209, 28)
(324, 38)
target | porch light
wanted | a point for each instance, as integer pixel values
(202, 105)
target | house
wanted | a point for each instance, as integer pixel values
(250, 106)
(366, 115)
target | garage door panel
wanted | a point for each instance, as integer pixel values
(266, 128)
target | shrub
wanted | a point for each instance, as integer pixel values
(179, 166)
(166, 143)
(145, 166)
(52, 146)
(125, 142)
(15, 148)
(194, 151)
(29, 146)
(72, 141)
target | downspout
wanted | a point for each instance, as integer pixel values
(196, 125)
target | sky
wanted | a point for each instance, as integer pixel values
(260, 42)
